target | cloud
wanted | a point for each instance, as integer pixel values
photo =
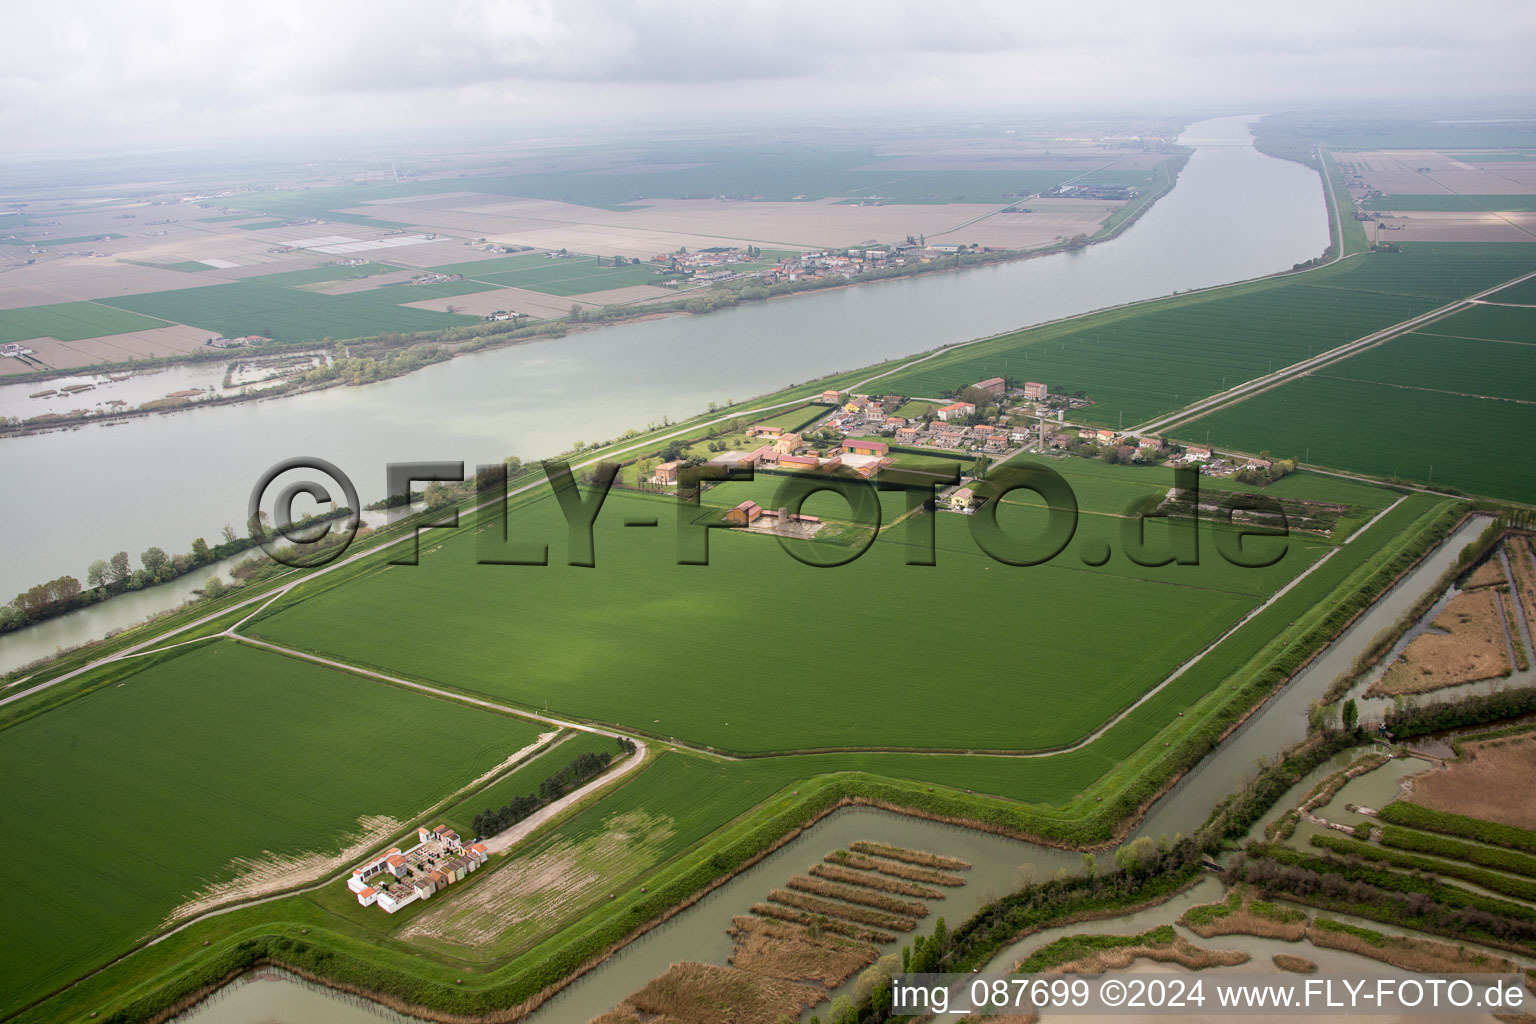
(112, 73)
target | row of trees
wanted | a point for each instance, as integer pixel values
(108, 577)
(574, 775)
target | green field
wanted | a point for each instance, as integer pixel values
(682, 800)
(1371, 428)
(640, 617)
(326, 274)
(1137, 363)
(795, 420)
(234, 751)
(70, 321)
(106, 236)
(569, 275)
(292, 314)
(1454, 203)
(1460, 394)
(525, 778)
(1523, 293)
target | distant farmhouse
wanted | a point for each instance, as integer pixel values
(395, 879)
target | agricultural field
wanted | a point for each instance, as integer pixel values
(576, 631)
(1136, 364)
(70, 321)
(1523, 294)
(295, 315)
(1467, 383)
(1453, 203)
(564, 276)
(245, 763)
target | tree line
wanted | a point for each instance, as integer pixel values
(108, 577)
(582, 769)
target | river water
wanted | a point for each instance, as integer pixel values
(164, 480)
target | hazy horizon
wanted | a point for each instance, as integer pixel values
(95, 78)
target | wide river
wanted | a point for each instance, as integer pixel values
(82, 494)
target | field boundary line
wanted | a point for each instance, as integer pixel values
(1258, 385)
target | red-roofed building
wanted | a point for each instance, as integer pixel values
(858, 447)
(744, 514)
(956, 411)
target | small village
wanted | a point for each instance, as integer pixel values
(860, 435)
(397, 878)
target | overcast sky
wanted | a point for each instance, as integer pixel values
(98, 74)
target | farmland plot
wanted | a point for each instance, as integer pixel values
(141, 795)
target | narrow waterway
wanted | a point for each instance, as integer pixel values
(164, 480)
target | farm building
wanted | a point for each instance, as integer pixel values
(866, 447)
(962, 500)
(1105, 436)
(744, 514)
(832, 397)
(956, 410)
(1035, 391)
(764, 430)
(666, 473)
(994, 385)
(1150, 444)
(440, 858)
(1197, 453)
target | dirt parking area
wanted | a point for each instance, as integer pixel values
(1479, 783)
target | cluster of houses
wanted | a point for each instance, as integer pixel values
(395, 878)
(858, 260)
(1147, 448)
(707, 265)
(786, 450)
